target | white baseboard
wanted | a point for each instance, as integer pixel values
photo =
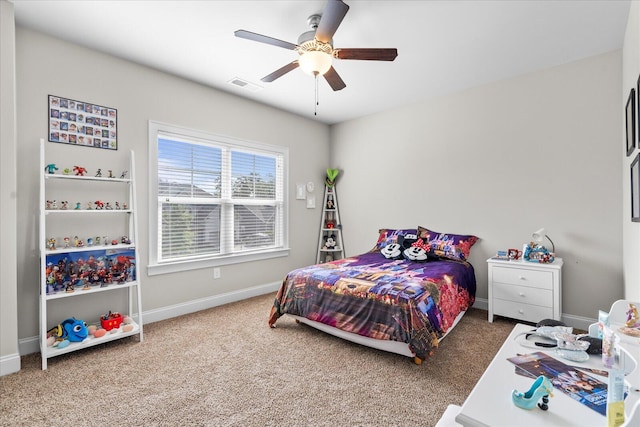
(481, 303)
(9, 364)
(32, 344)
(208, 302)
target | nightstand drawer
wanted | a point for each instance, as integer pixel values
(530, 313)
(523, 294)
(523, 277)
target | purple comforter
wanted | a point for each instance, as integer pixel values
(400, 300)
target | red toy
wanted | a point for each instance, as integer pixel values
(111, 321)
(79, 170)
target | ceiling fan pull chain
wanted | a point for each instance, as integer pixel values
(315, 109)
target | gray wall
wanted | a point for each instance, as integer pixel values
(500, 161)
(49, 66)
(9, 357)
(630, 230)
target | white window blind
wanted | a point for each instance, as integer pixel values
(216, 197)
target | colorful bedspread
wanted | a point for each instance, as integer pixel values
(399, 300)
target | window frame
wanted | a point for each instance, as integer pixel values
(206, 261)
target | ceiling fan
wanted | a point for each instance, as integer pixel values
(315, 47)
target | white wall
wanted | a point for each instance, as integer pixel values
(49, 66)
(9, 357)
(630, 230)
(500, 161)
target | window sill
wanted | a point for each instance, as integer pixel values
(174, 267)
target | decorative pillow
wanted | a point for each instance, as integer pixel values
(446, 245)
(392, 251)
(415, 249)
(388, 236)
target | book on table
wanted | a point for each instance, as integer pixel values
(570, 380)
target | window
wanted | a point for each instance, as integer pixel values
(214, 200)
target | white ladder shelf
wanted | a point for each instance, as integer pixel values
(330, 244)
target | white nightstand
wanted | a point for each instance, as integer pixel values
(525, 290)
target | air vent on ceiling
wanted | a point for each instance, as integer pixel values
(236, 81)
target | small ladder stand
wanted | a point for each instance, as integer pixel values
(330, 244)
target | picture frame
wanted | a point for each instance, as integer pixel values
(82, 123)
(635, 189)
(630, 121)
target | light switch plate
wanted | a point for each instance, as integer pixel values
(311, 202)
(300, 192)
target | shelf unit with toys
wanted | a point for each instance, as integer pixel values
(330, 245)
(83, 273)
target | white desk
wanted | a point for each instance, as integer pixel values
(489, 404)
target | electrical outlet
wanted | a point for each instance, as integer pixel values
(216, 273)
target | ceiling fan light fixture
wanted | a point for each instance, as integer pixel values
(315, 62)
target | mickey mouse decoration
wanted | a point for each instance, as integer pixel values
(409, 247)
(329, 242)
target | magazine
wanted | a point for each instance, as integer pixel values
(570, 380)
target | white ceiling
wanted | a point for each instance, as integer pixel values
(443, 46)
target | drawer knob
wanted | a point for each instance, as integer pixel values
(521, 311)
(521, 294)
(521, 277)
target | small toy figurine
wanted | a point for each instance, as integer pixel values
(76, 240)
(65, 205)
(114, 242)
(330, 204)
(99, 204)
(54, 205)
(66, 242)
(104, 239)
(97, 240)
(117, 206)
(51, 168)
(79, 170)
(124, 205)
(125, 240)
(51, 244)
(89, 206)
(66, 171)
(77, 206)
(49, 204)
(111, 174)
(108, 206)
(123, 175)
(633, 318)
(89, 241)
(99, 173)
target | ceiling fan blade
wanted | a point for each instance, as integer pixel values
(333, 14)
(264, 39)
(280, 72)
(367, 54)
(334, 79)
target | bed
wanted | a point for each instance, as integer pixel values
(403, 296)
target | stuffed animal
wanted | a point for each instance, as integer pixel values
(329, 242)
(70, 330)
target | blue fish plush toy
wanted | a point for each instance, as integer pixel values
(69, 330)
(75, 330)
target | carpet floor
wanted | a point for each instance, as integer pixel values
(225, 367)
